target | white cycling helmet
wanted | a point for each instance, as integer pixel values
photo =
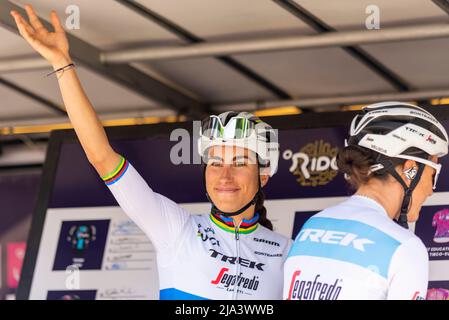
(395, 129)
(400, 130)
(241, 130)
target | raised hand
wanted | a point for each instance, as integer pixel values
(53, 46)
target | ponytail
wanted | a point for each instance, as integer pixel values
(262, 211)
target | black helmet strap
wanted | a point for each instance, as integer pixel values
(215, 210)
(408, 190)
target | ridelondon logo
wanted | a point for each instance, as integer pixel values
(315, 164)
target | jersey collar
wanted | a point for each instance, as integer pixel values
(371, 202)
(227, 224)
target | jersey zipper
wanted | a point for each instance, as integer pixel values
(237, 261)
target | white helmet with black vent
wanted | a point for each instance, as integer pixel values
(400, 130)
(241, 129)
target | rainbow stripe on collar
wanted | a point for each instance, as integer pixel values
(227, 224)
(115, 175)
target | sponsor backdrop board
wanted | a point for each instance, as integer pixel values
(83, 246)
(18, 197)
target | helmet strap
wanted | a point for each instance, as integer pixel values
(408, 190)
(215, 210)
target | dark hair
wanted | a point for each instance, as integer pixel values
(262, 211)
(355, 162)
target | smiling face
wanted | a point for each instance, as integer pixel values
(422, 191)
(232, 177)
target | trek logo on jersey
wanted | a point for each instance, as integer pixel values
(313, 289)
(207, 234)
(226, 280)
(334, 237)
(315, 164)
(233, 260)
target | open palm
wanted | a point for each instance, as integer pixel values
(53, 46)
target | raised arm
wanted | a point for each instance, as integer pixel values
(54, 47)
(160, 218)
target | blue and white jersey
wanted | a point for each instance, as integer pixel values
(355, 251)
(202, 256)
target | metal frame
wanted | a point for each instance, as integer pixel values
(124, 75)
(153, 89)
(443, 4)
(45, 102)
(356, 52)
(311, 103)
(341, 39)
(189, 37)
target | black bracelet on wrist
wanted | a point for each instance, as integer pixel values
(69, 66)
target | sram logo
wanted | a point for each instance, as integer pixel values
(334, 237)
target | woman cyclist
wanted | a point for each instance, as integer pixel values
(355, 250)
(231, 253)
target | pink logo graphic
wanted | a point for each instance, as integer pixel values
(437, 294)
(441, 222)
(15, 255)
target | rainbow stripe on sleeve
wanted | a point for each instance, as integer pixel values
(115, 175)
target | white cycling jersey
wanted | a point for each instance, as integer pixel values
(355, 251)
(202, 256)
